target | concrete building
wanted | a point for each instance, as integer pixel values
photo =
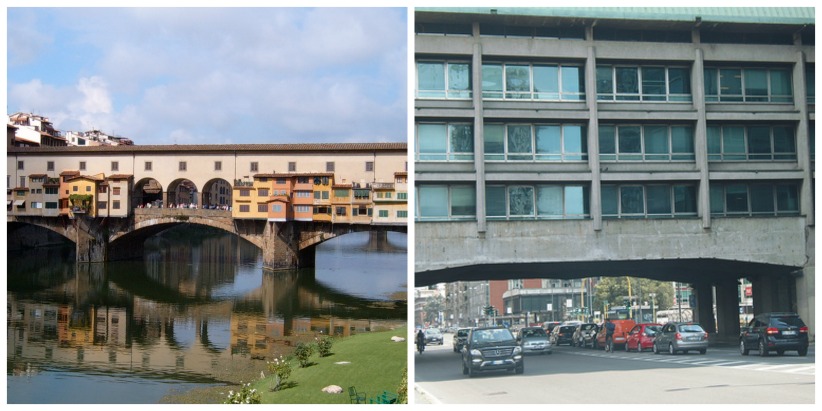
(673, 144)
(34, 130)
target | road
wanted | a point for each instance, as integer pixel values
(583, 375)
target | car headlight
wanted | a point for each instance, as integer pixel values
(476, 353)
(517, 350)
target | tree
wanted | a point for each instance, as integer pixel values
(432, 309)
(615, 289)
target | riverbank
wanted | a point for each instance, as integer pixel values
(371, 362)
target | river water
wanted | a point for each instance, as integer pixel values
(136, 331)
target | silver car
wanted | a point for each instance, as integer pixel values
(534, 340)
(681, 337)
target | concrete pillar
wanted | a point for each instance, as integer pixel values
(593, 135)
(701, 139)
(281, 247)
(727, 311)
(479, 135)
(803, 154)
(703, 310)
(91, 244)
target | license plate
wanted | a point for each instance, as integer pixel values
(498, 362)
(788, 332)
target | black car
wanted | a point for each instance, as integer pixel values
(779, 332)
(491, 349)
(563, 334)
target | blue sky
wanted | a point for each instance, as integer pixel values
(213, 75)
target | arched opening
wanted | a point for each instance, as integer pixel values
(216, 193)
(147, 191)
(182, 191)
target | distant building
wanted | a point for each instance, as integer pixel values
(96, 138)
(34, 131)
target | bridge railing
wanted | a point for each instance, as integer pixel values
(169, 212)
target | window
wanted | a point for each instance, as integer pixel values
(88, 189)
(263, 192)
(302, 208)
(102, 189)
(115, 204)
(772, 85)
(115, 166)
(340, 211)
(255, 166)
(75, 188)
(341, 193)
(537, 142)
(329, 166)
(444, 80)
(445, 142)
(292, 166)
(183, 166)
(402, 213)
(383, 214)
(277, 208)
(262, 208)
(21, 165)
(244, 208)
(148, 166)
(369, 166)
(51, 205)
(646, 143)
(646, 83)
(245, 193)
(402, 196)
(536, 202)
(761, 142)
(648, 201)
(533, 82)
(50, 166)
(82, 166)
(115, 191)
(446, 202)
(218, 166)
(734, 198)
(101, 205)
(51, 190)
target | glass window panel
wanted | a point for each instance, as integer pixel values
(610, 200)
(627, 80)
(656, 140)
(730, 84)
(733, 140)
(431, 76)
(546, 82)
(462, 138)
(574, 140)
(781, 83)
(759, 141)
(549, 201)
(685, 199)
(659, 199)
(573, 83)
(787, 198)
(494, 136)
(459, 76)
(783, 140)
(756, 84)
(810, 84)
(432, 140)
(495, 201)
(607, 140)
(653, 82)
(717, 199)
(521, 201)
(631, 200)
(714, 140)
(630, 140)
(517, 82)
(711, 83)
(679, 81)
(682, 139)
(576, 201)
(519, 142)
(736, 198)
(433, 201)
(548, 139)
(605, 81)
(463, 201)
(492, 80)
(762, 198)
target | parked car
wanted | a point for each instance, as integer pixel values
(549, 326)
(584, 335)
(534, 340)
(681, 337)
(459, 338)
(563, 334)
(774, 331)
(433, 336)
(491, 349)
(621, 328)
(641, 337)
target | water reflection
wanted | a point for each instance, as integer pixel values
(195, 302)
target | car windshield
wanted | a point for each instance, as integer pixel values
(691, 328)
(652, 330)
(491, 336)
(787, 321)
(532, 332)
(567, 329)
(462, 333)
(587, 326)
(432, 331)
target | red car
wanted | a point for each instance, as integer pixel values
(641, 337)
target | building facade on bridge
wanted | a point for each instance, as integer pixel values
(569, 143)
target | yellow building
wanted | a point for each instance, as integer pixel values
(322, 196)
(83, 194)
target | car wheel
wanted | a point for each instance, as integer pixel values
(671, 349)
(802, 352)
(520, 369)
(763, 351)
(655, 349)
(780, 352)
(627, 349)
(471, 372)
(742, 348)
(464, 369)
(703, 351)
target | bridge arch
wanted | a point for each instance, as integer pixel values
(216, 192)
(182, 191)
(146, 190)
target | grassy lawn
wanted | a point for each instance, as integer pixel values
(375, 364)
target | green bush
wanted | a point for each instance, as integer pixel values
(303, 353)
(281, 370)
(402, 390)
(246, 395)
(324, 346)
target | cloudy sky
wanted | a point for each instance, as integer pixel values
(212, 75)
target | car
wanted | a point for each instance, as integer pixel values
(681, 337)
(433, 336)
(621, 328)
(563, 334)
(459, 338)
(549, 326)
(584, 335)
(778, 331)
(641, 337)
(491, 349)
(534, 340)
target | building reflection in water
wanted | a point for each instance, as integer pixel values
(192, 303)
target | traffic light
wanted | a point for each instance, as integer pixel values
(489, 310)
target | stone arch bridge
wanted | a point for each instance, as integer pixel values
(284, 245)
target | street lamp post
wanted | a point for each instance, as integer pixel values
(653, 306)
